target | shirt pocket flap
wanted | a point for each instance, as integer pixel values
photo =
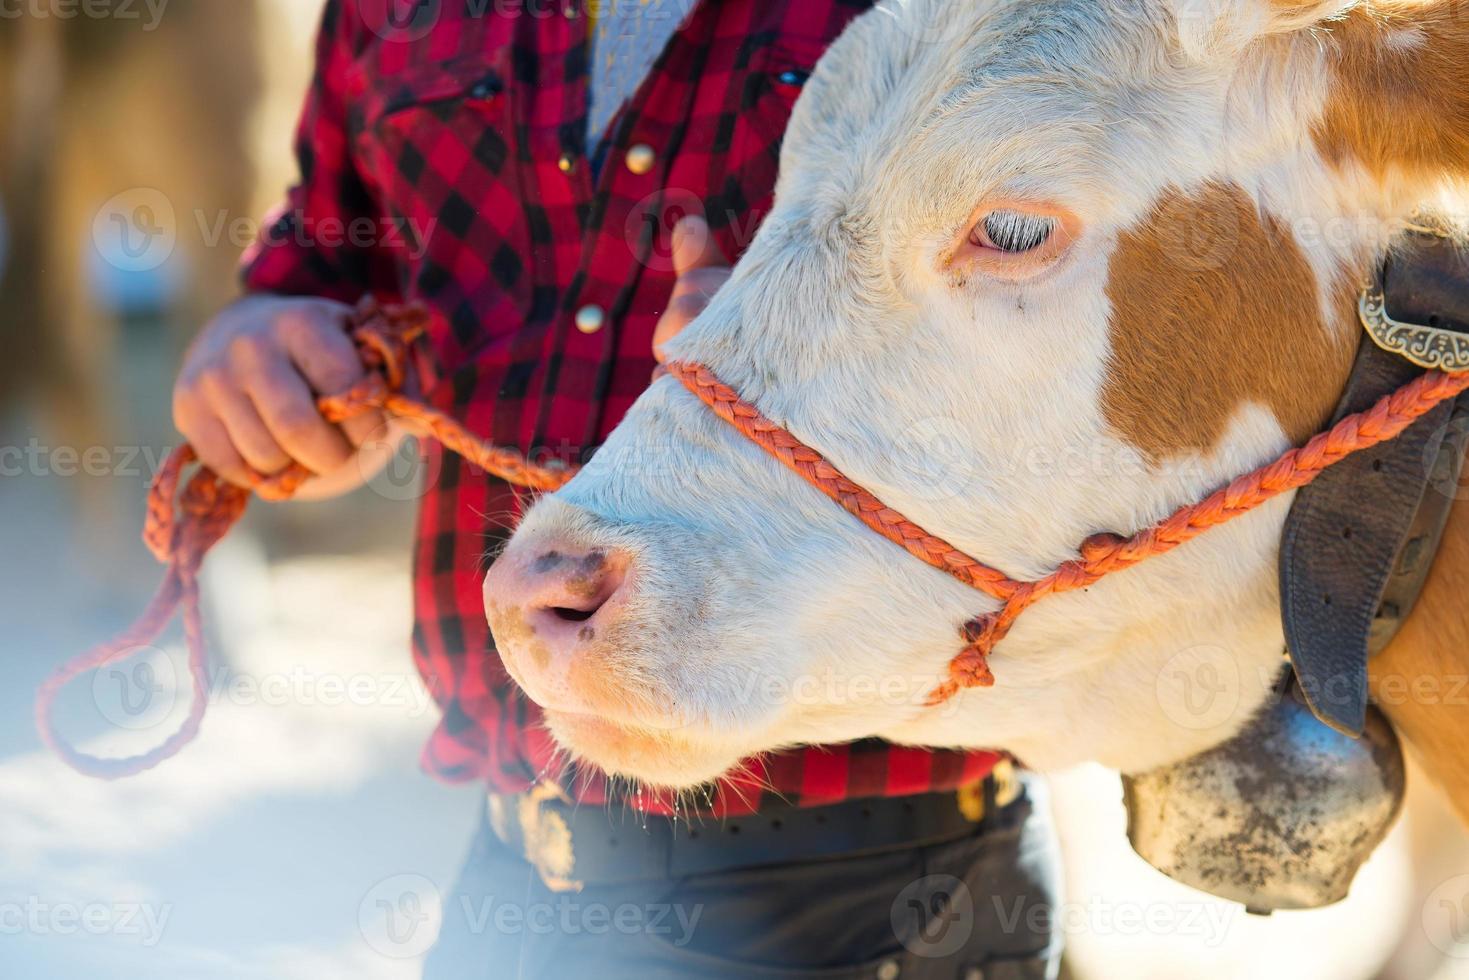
(375, 98)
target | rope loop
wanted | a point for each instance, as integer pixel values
(182, 525)
(185, 518)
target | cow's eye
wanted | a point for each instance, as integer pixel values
(1013, 231)
(1013, 238)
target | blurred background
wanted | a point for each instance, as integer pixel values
(140, 142)
(138, 150)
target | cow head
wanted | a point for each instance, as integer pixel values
(1035, 270)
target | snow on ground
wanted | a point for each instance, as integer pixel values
(278, 845)
(260, 852)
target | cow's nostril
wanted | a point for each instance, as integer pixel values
(568, 588)
(573, 615)
(559, 595)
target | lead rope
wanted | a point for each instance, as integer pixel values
(182, 525)
(1101, 554)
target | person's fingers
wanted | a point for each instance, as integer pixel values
(288, 407)
(247, 431)
(211, 442)
(702, 268)
(691, 294)
(319, 346)
(365, 428)
(694, 247)
(268, 382)
(697, 287)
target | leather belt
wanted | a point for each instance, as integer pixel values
(572, 845)
(1360, 540)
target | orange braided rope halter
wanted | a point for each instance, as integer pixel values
(181, 526)
(185, 519)
(1101, 554)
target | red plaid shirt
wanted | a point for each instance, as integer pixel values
(442, 155)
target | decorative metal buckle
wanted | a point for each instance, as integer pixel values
(1423, 345)
(538, 832)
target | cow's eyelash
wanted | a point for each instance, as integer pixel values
(1016, 231)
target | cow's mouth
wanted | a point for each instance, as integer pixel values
(660, 758)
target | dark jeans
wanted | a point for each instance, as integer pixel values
(977, 908)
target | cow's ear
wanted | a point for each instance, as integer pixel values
(1397, 107)
(1208, 28)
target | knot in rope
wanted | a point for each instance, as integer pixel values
(182, 526)
(1100, 554)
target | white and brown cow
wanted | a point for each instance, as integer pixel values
(1036, 269)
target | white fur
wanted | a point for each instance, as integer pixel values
(765, 615)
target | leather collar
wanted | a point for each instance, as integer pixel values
(1359, 541)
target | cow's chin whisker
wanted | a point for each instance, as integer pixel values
(659, 759)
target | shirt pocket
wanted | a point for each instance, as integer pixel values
(434, 146)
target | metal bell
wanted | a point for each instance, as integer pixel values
(1280, 817)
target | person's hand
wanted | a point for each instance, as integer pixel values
(246, 395)
(701, 268)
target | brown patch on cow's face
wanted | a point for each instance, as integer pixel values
(1399, 103)
(1214, 308)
